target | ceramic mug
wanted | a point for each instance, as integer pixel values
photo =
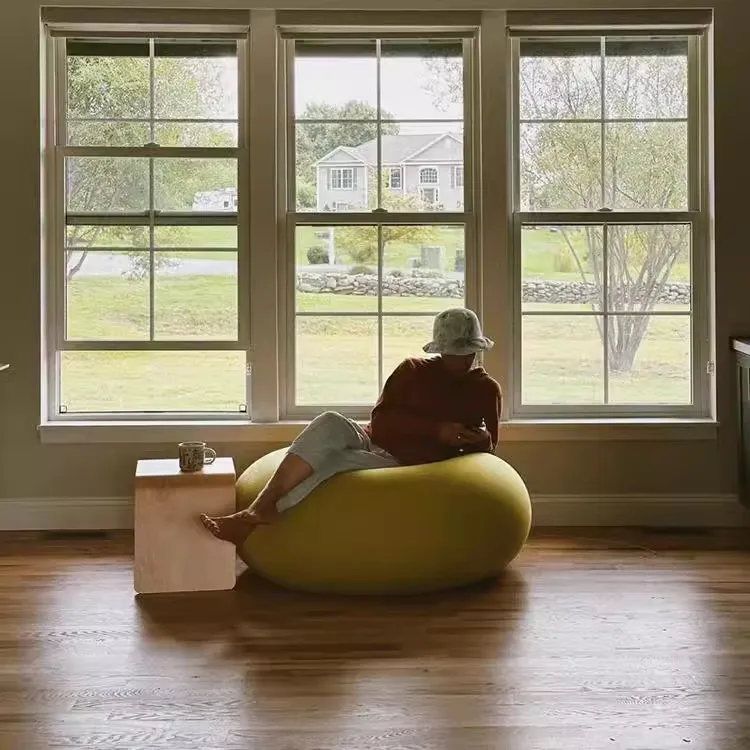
(194, 455)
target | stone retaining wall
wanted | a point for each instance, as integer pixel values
(574, 292)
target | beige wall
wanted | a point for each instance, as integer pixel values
(30, 469)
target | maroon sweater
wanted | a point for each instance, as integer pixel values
(419, 395)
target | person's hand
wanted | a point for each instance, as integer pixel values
(456, 434)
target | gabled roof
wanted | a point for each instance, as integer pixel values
(348, 150)
(395, 148)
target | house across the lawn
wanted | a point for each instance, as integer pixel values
(428, 166)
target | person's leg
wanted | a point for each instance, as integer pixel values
(326, 436)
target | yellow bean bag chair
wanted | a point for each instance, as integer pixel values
(392, 531)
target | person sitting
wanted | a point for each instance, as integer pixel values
(431, 409)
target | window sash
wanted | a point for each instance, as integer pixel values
(694, 215)
(466, 218)
(57, 341)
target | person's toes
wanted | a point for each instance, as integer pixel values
(209, 524)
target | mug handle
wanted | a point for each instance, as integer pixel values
(209, 455)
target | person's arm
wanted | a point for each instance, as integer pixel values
(492, 411)
(392, 415)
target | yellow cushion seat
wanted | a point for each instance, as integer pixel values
(398, 530)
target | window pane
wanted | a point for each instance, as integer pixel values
(562, 360)
(560, 166)
(560, 80)
(106, 184)
(107, 297)
(108, 133)
(335, 166)
(422, 80)
(649, 359)
(195, 184)
(152, 381)
(647, 79)
(84, 236)
(646, 165)
(337, 361)
(335, 81)
(195, 135)
(404, 337)
(201, 88)
(196, 237)
(108, 87)
(562, 268)
(649, 268)
(337, 269)
(423, 268)
(195, 298)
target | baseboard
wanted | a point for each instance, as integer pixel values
(88, 513)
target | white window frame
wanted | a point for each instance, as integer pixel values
(393, 171)
(458, 170)
(423, 171)
(468, 218)
(56, 151)
(696, 215)
(342, 173)
(436, 191)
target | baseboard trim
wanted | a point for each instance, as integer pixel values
(711, 511)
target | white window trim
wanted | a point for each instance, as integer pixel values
(697, 216)
(342, 172)
(458, 170)
(423, 169)
(270, 322)
(423, 188)
(56, 150)
(280, 432)
(466, 218)
(400, 172)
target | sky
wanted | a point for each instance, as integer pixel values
(403, 86)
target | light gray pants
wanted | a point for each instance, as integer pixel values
(333, 444)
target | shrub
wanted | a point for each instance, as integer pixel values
(317, 255)
(307, 195)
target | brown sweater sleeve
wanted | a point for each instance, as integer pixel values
(492, 409)
(391, 416)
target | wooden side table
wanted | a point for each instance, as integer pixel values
(173, 552)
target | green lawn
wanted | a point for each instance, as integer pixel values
(545, 253)
(337, 357)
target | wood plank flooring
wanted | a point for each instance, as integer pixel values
(622, 639)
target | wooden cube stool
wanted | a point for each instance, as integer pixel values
(173, 552)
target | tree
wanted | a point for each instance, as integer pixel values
(355, 125)
(119, 87)
(645, 167)
(361, 243)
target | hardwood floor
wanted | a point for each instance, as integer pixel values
(616, 640)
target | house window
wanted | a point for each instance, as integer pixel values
(458, 177)
(356, 323)
(430, 197)
(144, 298)
(428, 176)
(342, 178)
(394, 178)
(609, 224)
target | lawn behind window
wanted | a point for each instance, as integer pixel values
(336, 356)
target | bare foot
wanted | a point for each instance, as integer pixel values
(235, 528)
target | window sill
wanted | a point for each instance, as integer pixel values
(157, 433)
